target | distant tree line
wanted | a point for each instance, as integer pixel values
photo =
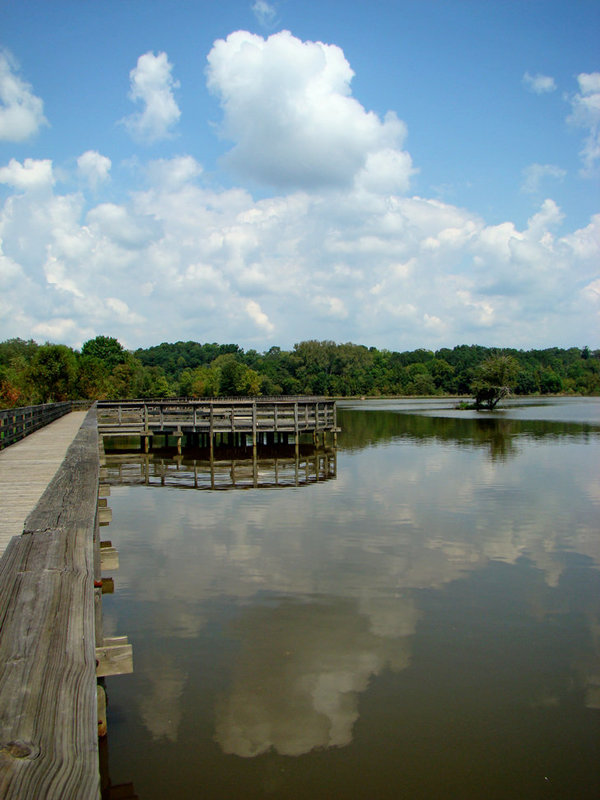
(31, 373)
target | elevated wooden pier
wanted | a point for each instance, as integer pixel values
(203, 420)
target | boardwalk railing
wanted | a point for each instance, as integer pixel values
(16, 423)
(48, 695)
(219, 415)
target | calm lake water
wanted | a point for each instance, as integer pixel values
(415, 615)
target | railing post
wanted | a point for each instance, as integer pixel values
(334, 422)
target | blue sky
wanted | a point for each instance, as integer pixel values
(397, 174)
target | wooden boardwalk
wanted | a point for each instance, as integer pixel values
(48, 649)
(26, 469)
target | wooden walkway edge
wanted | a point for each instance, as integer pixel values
(26, 469)
(48, 702)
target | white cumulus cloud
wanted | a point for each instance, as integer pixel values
(289, 110)
(258, 316)
(535, 174)
(539, 84)
(396, 272)
(94, 167)
(152, 85)
(31, 174)
(586, 114)
(264, 12)
(21, 112)
(173, 173)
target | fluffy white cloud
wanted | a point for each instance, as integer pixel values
(173, 172)
(21, 112)
(586, 114)
(535, 174)
(32, 174)
(343, 254)
(264, 13)
(289, 111)
(55, 330)
(258, 316)
(391, 271)
(94, 167)
(152, 85)
(539, 84)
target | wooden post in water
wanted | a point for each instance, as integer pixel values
(296, 435)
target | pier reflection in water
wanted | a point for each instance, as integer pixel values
(275, 467)
(424, 626)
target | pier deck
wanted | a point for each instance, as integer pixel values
(26, 469)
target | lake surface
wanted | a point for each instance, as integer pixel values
(413, 615)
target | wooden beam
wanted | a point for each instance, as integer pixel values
(48, 719)
(115, 657)
(105, 516)
(109, 558)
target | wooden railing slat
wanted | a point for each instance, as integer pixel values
(16, 423)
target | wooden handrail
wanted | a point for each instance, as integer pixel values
(16, 423)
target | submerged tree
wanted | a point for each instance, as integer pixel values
(494, 380)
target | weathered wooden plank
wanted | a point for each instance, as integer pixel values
(114, 657)
(101, 706)
(48, 703)
(67, 499)
(109, 558)
(47, 668)
(27, 467)
(105, 516)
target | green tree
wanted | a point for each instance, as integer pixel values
(442, 373)
(495, 378)
(126, 380)
(53, 371)
(236, 379)
(106, 349)
(526, 382)
(206, 381)
(93, 378)
(550, 382)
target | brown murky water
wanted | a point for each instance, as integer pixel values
(416, 615)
